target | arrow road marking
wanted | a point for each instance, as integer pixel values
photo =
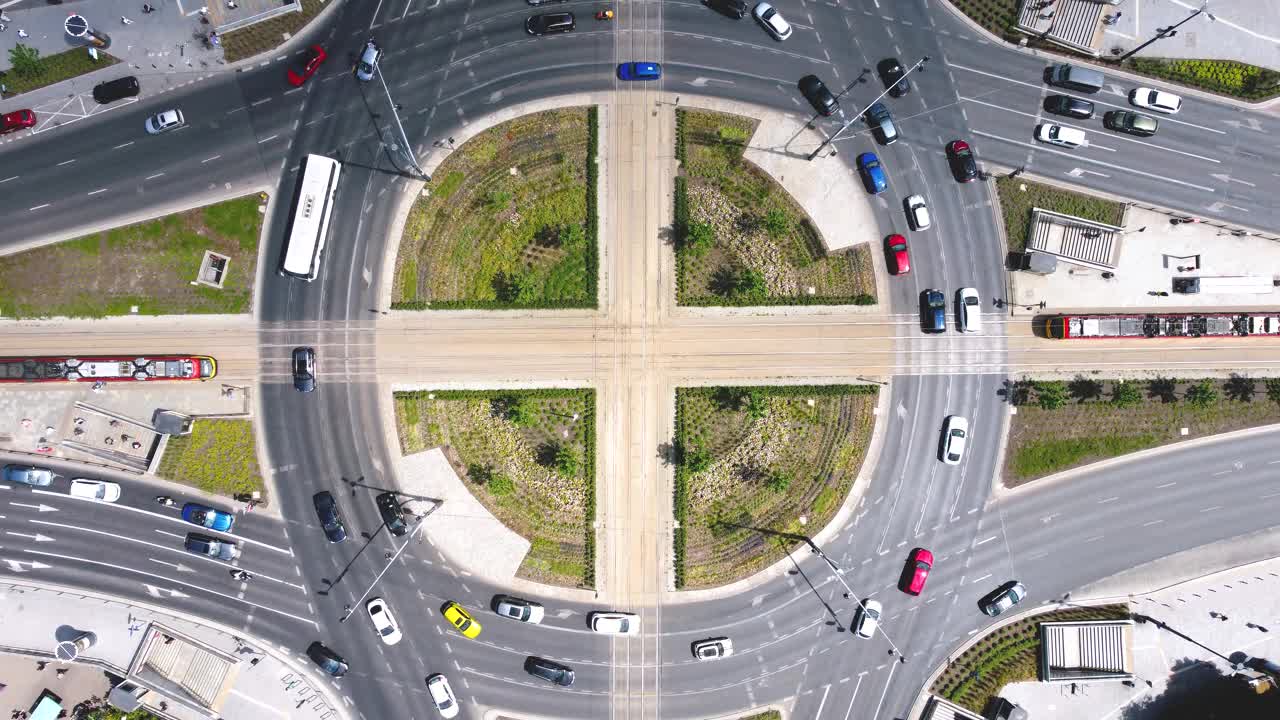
(1220, 177)
(159, 592)
(41, 508)
(37, 537)
(1217, 207)
(699, 82)
(1077, 172)
(18, 565)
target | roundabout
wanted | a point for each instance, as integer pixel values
(460, 69)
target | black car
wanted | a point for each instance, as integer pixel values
(1069, 106)
(117, 89)
(304, 369)
(327, 511)
(549, 670)
(964, 167)
(392, 514)
(328, 660)
(537, 3)
(816, 92)
(933, 307)
(549, 23)
(891, 72)
(1128, 121)
(736, 9)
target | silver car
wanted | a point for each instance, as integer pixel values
(519, 609)
(767, 16)
(713, 648)
(868, 618)
(165, 121)
(368, 64)
(1003, 598)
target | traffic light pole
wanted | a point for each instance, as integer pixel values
(351, 608)
(852, 120)
(408, 151)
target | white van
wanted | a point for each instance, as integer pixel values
(1060, 135)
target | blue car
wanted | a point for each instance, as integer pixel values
(639, 71)
(207, 517)
(872, 173)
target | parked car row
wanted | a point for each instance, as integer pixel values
(1088, 80)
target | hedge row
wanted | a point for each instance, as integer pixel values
(593, 210)
(680, 223)
(497, 304)
(680, 151)
(1226, 77)
(755, 301)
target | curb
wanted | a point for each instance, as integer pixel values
(922, 697)
(1194, 579)
(334, 702)
(1111, 69)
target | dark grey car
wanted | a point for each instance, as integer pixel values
(1068, 106)
(816, 92)
(549, 670)
(1130, 122)
(330, 519)
(117, 89)
(736, 9)
(392, 514)
(549, 23)
(304, 369)
(891, 71)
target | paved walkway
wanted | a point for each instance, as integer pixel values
(1244, 30)
(261, 681)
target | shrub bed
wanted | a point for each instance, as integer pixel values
(1018, 196)
(529, 456)
(1225, 77)
(219, 457)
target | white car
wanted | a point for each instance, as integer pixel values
(615, 623)
(442, 695)
(1156, 100)
(518, 609)
(713, 648)
(767, 16)
(955, 434)
(1060, 135)
(969, 308)
(368, 64)
(917, 212)
(868, 618)
(383, 621)
(165, 121)
(95, 489)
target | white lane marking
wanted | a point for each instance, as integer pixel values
(163, 516)
(985, 540)
(1153, 522)
(825, 689)
(1110, 499)
(978, 580)
(1121, 168)
(1168, 484)
(1038, 86)
(168, 548)
(1006, 109)
(180, 582)
(1211, 509)
(887, 683)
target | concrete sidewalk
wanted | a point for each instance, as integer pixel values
(255, 680)
(1243, 30)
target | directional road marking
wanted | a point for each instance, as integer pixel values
(41, 507)
(159, 592)
(24, 565)
(37, 537)
(176, 566)
(700, 82)
(1220, 177)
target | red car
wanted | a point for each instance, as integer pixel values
(918, 566)
(963, 164)
(898, 254)
(315, 56)
(17, 120)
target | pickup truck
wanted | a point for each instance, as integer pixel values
(213, 547)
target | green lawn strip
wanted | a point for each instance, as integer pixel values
(150, 264)
(270, 34)
(512, 223)
(1000, 17)
(1016, 204)
(47, 70)
(1061, 425)
(1225, 77)
(1010, 653)
(766, 715)
(218, 457)
(741, 239)
(503, 444)
(751, 460)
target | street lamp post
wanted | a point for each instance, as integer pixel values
(849, 594)
(351, 608)
(395, 112)
(853, 119)
(1166, 32)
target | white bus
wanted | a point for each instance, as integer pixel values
(309, 227)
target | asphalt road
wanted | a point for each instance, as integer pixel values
(451, 63)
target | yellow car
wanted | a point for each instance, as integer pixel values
(461, 619)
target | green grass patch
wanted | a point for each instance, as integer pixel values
(512, 223)
(1225, 77)
(751, 462)
(218, 457)
(1019, 195)
(1007, 654)
(741, 239)
(999, 17)
(766, 715)
(53, 69)
(270, 34)
(1064, 425)
(150, 264)
(510, 448)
